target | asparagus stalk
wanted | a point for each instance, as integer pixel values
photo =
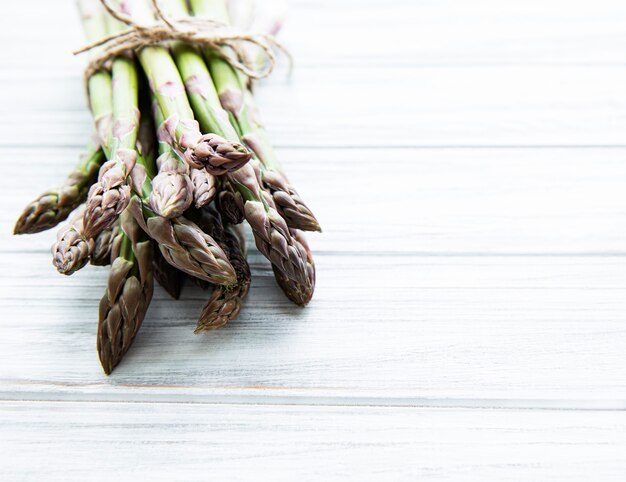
(181, 242)
(225, 302)
(274, 240)
(99, 86)
(104, 245)
(172, 189)
(127, 297)
(288, 202)
(299, 293)
(55, 205)
(71, 250)
(237, 99)
(110, 195)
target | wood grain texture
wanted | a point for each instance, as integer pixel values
(193, 442)
(378, 107)
(464, 329)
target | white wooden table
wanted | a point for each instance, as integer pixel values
(468, 163)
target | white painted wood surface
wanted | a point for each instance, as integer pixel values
(197, 442)
(467, 161)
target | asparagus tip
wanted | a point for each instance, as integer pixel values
(217, 155)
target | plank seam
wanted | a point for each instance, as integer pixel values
(612, 405)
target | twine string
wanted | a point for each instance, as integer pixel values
(223, 39)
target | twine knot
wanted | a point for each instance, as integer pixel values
(227, 42)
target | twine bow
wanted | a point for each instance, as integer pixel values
(226, 41)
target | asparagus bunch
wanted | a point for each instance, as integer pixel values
(178, 161)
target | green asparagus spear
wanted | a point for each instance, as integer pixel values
(71, 250)
(128, 294)
(55, 205)
(225, 302)
(109, 196)
(172, 189)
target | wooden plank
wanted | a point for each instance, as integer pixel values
(421, 201)
(513, 106)
(115, 441)
(462, 331)
(337, 33)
